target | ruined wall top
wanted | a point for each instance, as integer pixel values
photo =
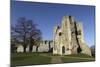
(68, 17)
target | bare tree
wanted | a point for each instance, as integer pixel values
(13, 40)
(26, 33)
(35, 39)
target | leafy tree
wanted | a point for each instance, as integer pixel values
(26, 33)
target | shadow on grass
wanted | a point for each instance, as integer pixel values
(22, 59)
(74, 60)
(77, 58)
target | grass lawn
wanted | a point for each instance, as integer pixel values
(77, 58)
(73, 60)
(22, 59)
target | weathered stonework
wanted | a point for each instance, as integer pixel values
(44, 46)
(19, 48)
(69, 38)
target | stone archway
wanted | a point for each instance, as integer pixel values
(63, 50)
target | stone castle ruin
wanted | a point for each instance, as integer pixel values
(44, 46)
(69, 38)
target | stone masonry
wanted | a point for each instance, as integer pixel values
(69, 38)
(44, 46)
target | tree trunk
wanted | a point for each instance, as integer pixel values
(37, 48)
(24, 38)
(24, 48)
(30, 48)
(49, 47)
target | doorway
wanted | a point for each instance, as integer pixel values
(63, 50)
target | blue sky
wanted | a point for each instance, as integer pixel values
(48, 15)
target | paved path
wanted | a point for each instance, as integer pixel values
(56, 59)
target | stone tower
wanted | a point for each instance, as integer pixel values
(68, 38)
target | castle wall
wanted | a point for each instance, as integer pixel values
(67, 39)
(71, 40)
(20, 48)
(66, 36)
(85, 49)
(56, 42)
(44, 47)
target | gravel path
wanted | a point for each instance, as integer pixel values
(56, 59)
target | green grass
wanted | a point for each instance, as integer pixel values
(77, 58)
(73, 60)
(80, 55)
(20, 59)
